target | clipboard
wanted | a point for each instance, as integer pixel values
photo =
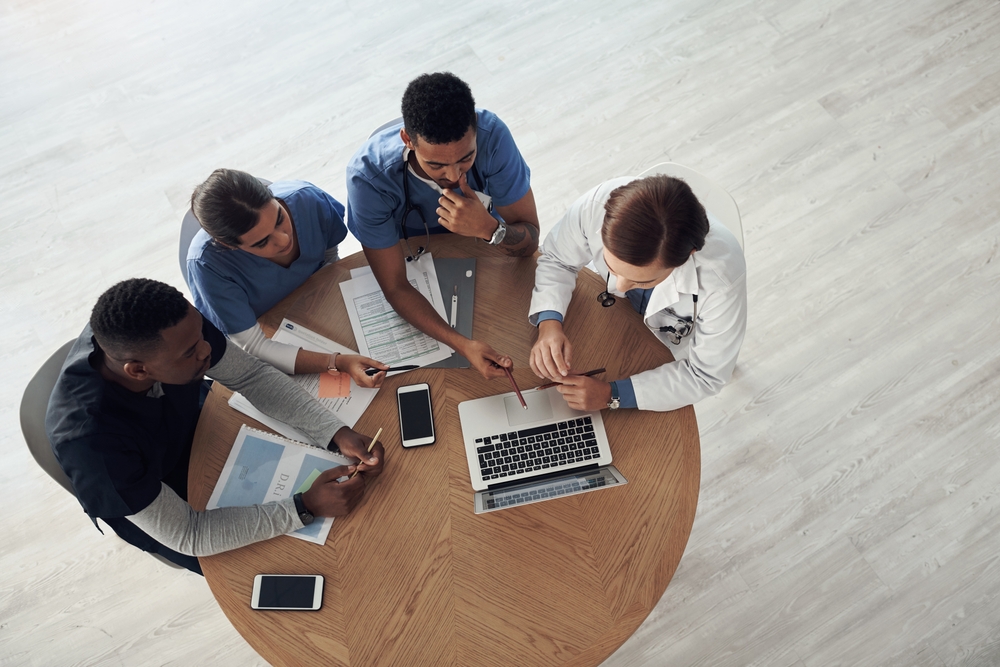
(460, 271)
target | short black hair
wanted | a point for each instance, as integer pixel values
(228, 204)
(128, 318)
(654, 219)
(438, 108)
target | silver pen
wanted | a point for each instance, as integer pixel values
(454, 308)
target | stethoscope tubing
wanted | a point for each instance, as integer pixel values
(607, 299)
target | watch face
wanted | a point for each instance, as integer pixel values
(499, 234)
(305, 516)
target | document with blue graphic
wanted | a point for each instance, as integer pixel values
(263, 467)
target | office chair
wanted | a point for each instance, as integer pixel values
(712, 196)
(33, 405)
(190, 227)
(381, 127)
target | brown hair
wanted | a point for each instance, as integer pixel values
(228, 204)
(652, 219)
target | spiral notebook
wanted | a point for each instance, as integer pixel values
(263, 467)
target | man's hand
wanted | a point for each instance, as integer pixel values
(585, 393)
(552, 354)
(328, 497)
(486, 360)
(355, 365)
(355, 445)
(464, 214)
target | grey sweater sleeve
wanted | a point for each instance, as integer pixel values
(275, 394)
(174, 523)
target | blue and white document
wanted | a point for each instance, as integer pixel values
(263, 467)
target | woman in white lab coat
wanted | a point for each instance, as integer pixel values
(683, 270)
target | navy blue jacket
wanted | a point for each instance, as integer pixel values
(117, 445)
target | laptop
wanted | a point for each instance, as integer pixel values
(518, 456)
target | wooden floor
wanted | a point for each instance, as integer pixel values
(850, 499)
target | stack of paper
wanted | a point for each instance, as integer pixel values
(380, 332)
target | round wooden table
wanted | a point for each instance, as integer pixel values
(413, 576)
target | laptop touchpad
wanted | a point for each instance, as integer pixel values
(539, 408)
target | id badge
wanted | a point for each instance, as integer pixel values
(486, 200)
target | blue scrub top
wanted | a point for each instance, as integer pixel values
(375, 182)
(232, 288)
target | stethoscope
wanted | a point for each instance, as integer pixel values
(409, 207)
(682, 328)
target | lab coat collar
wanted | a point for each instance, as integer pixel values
(682, 280)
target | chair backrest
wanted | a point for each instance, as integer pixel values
(33, 405)
(712, 196)
(394, 121)
(190, 227)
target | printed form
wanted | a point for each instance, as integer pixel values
(380, 332)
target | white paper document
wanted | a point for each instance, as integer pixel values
(263, 467)
(348, 409)
(240, 403)
(361, 271)
(380, 332)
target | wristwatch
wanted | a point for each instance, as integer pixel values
(305, 516)
(499, 233)
(615, 401)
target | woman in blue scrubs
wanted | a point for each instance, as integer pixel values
(257, 244)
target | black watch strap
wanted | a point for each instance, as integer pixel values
(305, 516)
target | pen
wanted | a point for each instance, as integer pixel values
(370, 445)
(454, 308)
(587, 374)
(510, 376)
(373, 371)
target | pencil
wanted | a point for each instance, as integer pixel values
(587, 374)
(370, 445)
(510, 376)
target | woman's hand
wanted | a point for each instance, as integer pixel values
(552, 354)
(585, 393)
(355, 365)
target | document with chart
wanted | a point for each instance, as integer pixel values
(263, 467)
(380, 332)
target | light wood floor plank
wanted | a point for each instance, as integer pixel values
(849, 487)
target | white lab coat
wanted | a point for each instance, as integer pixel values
(717, 273)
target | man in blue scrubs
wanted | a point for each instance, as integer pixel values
(447, 167)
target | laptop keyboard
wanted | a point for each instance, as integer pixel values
(549, 446)
(542, 493)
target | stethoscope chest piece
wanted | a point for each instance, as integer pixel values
(606, 298)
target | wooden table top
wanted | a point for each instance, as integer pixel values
(413, 576)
